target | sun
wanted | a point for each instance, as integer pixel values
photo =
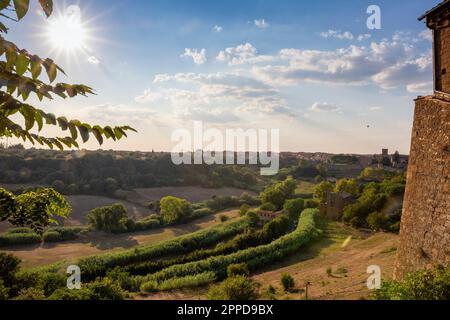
(66, 33)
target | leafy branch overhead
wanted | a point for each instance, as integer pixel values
(20, 73)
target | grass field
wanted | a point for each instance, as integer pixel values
(37, 255)
(305, 187)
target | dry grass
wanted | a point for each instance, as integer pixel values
(37, 255)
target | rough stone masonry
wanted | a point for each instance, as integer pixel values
(425, 229)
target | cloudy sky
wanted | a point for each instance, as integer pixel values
(310, 68)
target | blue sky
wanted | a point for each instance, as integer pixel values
(310, 68)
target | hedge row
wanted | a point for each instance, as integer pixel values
(23, 236)
(197, 280)
(255, 258)
(98, 265)
(250, 238)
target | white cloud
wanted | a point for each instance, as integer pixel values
(148, 96)
(337, 34)
(426, 35)
(242, 54)
(424, 87)
(376, 108)
(217, 28)
(325, 107)
(387, 64)
(93, 60)
(261, 23)
(236, 94)
(199, 57)
(363, 37)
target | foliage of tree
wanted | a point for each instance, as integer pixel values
(3, 292)
(287, 281)
(34, 209)
(347, 185)
(244, 209)
(431, 284)
(235, 288)
(174, 209)
(322, 190)
(21, 75)
(294, 208)
(237, 269)
(9, 266)
(278, 193)
(112, 219)
(366, 211)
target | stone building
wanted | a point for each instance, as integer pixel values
(267, 216)
(335, 204)
(425, 228)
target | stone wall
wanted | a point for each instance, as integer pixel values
(444, 54)
(425, 229)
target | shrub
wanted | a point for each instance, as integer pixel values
(433, 284)
(244, 209)
(31, 294)
(234, 288)
(96, 266)
(271, 292)
(237, 269)
(144, 224)
(51, 281)
(174, 209)
(3, 292)
(14, 239)
(176, 283)
(277, 227)
(294, 208)
(376, 221)
(9, 266)
(111, 219)
(223, 218)
(278, 193)
(268, 207)
(329, 271)
(254, 257)
(287, 282)
(201, 212)
(123, 278)
(105, 289)
(66, 294)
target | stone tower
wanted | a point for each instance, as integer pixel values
(425, 228)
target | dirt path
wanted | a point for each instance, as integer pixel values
(36, 255)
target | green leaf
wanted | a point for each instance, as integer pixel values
(4, 4)
(36, 67)
(84, 133)
(39, 120)
(28, 113)
(21, 7)
(11, 57)
(97, 134)
(3, 28)
(47, 6)
(50, 67)
(109, 133)
(73, 130)
(50, 118)
(63, 123)
(118, 133)
(22, 64)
